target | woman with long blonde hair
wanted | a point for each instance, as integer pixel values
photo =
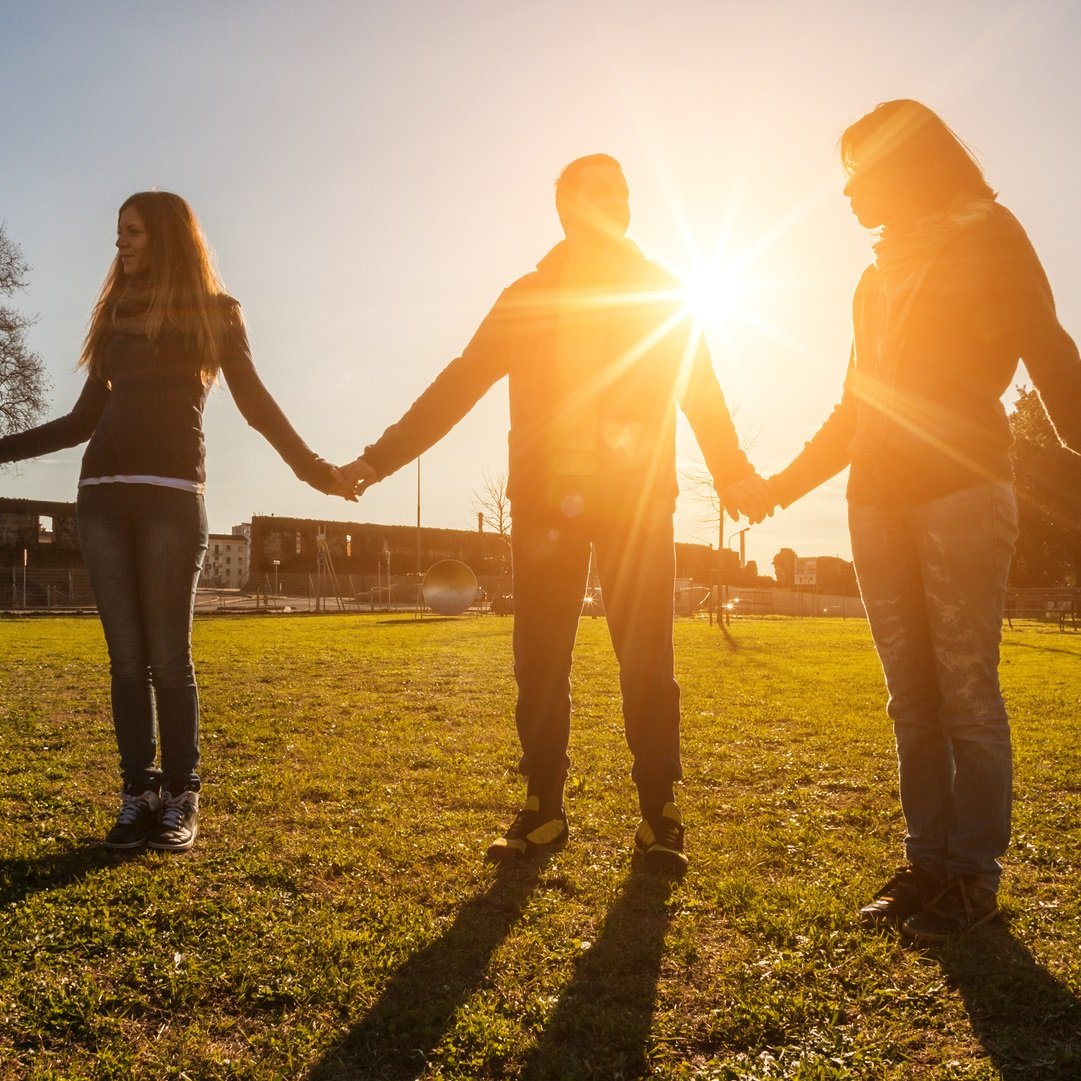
(162, 330)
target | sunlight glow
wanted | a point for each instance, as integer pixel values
(715, 291)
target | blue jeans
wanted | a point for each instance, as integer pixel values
(143, 546)
(933, 580)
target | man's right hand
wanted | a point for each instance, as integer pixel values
(359, 475)
(752, 497)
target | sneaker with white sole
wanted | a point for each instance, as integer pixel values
(138, 818)
(659, 841)
(529, 834)
(178, 823)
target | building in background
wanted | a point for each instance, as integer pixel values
(41, 564)
(822, 574)
(228, 559)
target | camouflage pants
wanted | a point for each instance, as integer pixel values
(933, 580)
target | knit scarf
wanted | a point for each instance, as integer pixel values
(132, 307)
(903, 256)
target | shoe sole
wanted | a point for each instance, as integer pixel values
(931, 938)
(662, 860)
(498, 853)
(872, 919)
(163, 846)
(116, 846)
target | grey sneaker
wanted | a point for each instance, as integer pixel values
(137, 819)
(178, 823)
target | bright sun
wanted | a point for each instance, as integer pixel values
(715, 290)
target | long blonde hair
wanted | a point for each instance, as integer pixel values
(183, 288)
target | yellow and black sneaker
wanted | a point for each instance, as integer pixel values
(530, 835)
(659, 841)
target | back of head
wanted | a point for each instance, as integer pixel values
(919, 149)
(570, 180)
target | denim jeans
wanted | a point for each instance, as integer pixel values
(636, 567)
(933, 580)
(143, 546)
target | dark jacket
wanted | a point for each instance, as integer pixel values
(930, 421)
(146, 417)
(596, 362)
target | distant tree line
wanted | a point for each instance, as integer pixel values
(1048, 478)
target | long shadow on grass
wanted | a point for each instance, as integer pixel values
(1028, 1022)
(600, 1026)
(1041, 648)
(417, 621)
(395, 1038)
(20, 877)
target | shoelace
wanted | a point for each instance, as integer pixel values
(902, 878)
(521, 824)
(174, 810)
(130, 809)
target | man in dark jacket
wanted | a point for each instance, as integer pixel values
(598, 348)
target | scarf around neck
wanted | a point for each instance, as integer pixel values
(132, 306)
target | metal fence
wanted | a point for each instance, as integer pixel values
(23, 588)
(27, 588)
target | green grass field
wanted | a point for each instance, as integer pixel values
(336, 919)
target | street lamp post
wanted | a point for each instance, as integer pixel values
(741, 533)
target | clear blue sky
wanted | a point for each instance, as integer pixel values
(371, 175)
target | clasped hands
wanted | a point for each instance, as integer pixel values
(349, 481)
(752, 497)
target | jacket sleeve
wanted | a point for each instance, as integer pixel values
(453, 393)
(262, 412)
(701, 399)
(826, 453)
(1049, 353)
(67, 431)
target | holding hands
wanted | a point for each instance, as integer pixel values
(328, 479)
(752, 496)
(358, 475)
(348, 481)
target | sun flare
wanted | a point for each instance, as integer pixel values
(715, 290)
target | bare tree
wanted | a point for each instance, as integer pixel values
(698, 483)
(22, 373)
(491, 501)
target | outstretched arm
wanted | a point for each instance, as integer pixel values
(1048, 351)
(742, 491)
(453, 393)
(825, 454)
(699, 395)
(68, 431)
(263, 413)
